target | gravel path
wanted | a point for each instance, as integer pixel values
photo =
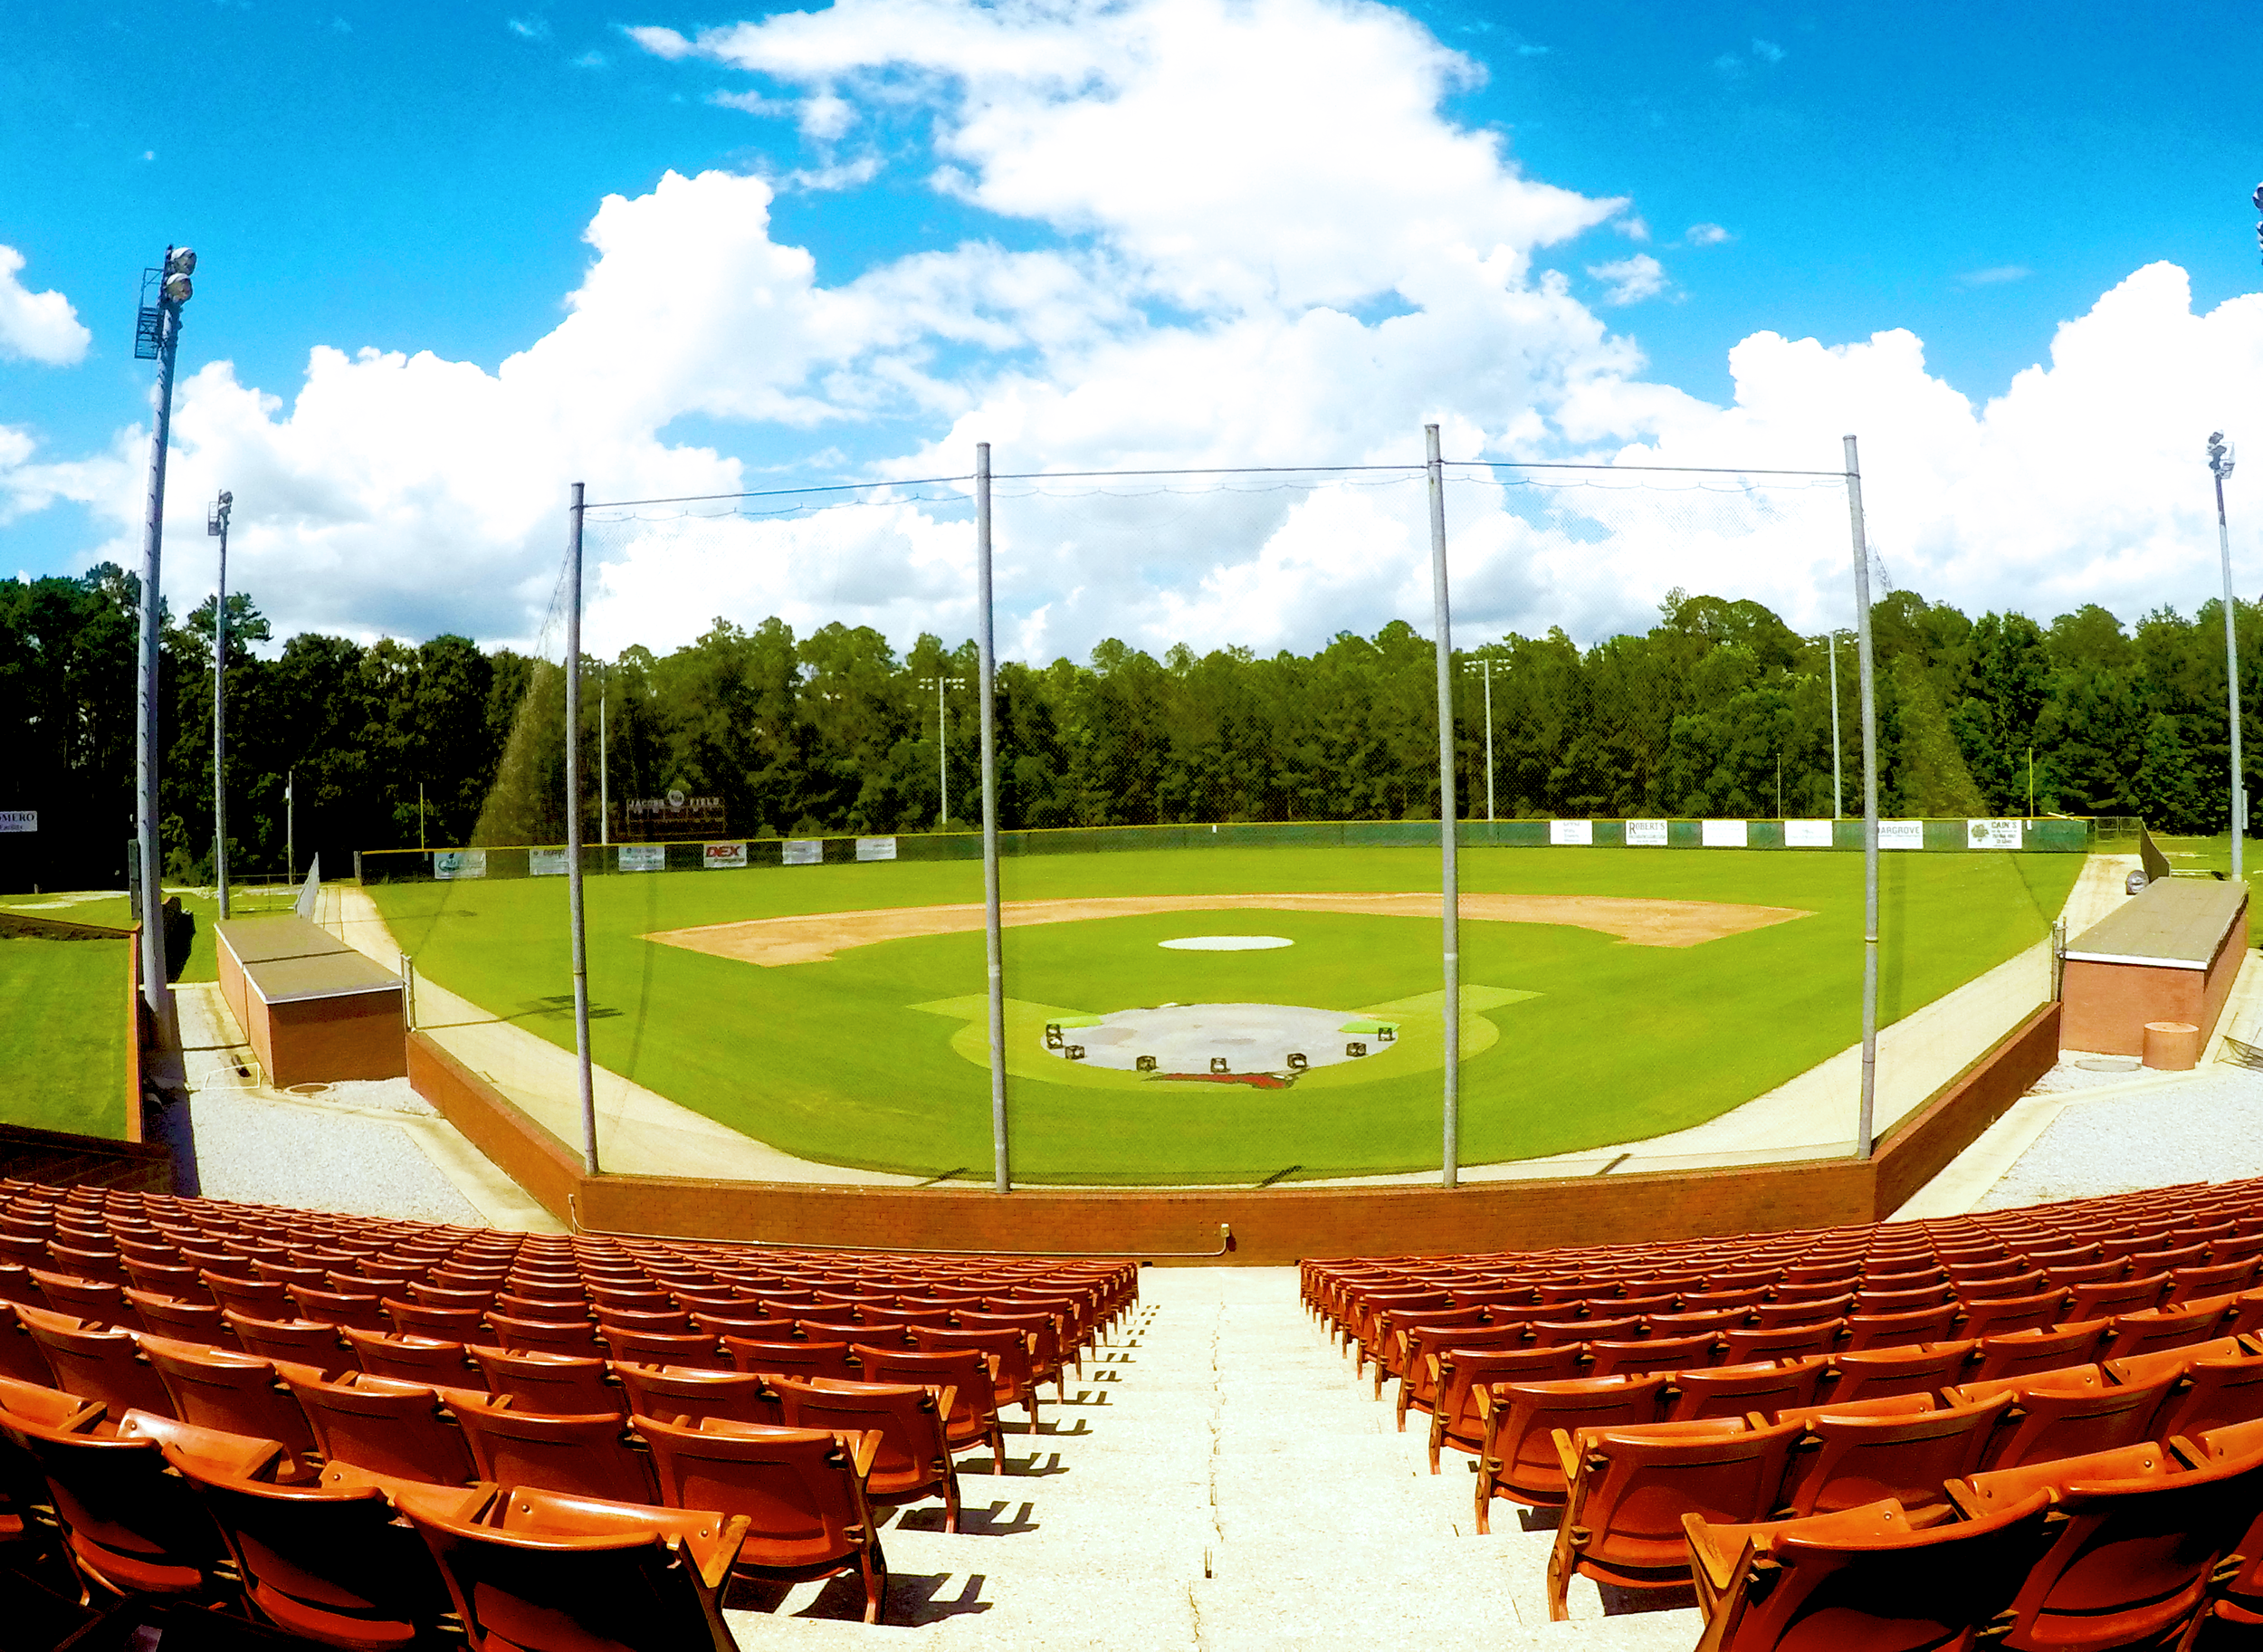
(2208, 1130)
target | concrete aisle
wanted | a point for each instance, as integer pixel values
(1217, 1482)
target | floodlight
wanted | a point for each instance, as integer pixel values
(2219, 455)
(177, 289)
(2259, 197)
(183, 262)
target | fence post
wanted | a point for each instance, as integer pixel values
(573, 839)
(1449, 905)
(1001, 1165)
(1865, 1123)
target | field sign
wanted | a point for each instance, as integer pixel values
(876, 848)
(1993, 834)
(724, 854)
(1571, 831)
(643, 858)
(804, 852)
(1645, 833)
(1807, 834)
(19, 820)
(1901, 833)
(459, 862)
(545, 863)
(1723, 834)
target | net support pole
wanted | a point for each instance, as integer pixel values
(1449, 904)
(2231, 679)
(1866, 1121)
(573, 839)
(1838, 786)
(993, 947)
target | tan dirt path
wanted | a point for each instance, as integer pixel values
(815, 937)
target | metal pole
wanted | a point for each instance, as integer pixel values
(605, 771)
(1489, 813)
(2221, 464)
(219, 714)
(157, 992)
(943, 758)
(290, 825)
(1001, 1166)
(1865, 674)
(420, 815)
(1838, 786)
(1449, 905)
(573, 840)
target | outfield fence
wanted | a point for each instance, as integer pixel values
(1440, 657)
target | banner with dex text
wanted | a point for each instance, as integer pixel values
(724, 854)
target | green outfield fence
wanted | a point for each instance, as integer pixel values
(2047, 836)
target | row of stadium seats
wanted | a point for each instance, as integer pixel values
(179, 1421)
(1849, 1422)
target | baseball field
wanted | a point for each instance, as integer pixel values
(1230, 1015)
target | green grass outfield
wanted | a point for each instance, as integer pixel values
(832, 1061)
(62, 1035)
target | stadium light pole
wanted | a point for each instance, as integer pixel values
(573, 839)
(157, 338)
(217, 524)
(1839, 786)
(942, 752)
(993, 949)
(1483, 666)
(605, 769)
(1868, 679)
(1449, 903)
(2219, 462)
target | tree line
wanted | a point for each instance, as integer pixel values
(1718, 709)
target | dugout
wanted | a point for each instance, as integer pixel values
(2168, 954)
(314, 1010)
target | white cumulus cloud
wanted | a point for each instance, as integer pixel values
(37, 325)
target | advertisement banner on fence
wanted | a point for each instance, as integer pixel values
(1645, 833)
(1571, 832)
(1901, 833)
(724, 854)
(545, 863)
(19, 820)
(1807, 834)
(876, 848)
(804, 852)
(1993, 834)
(643, 858)
(459, 862)
(1722, 834)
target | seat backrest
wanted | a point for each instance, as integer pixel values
(253, 1298)
(366, 1312)
(424, 1319)
(389, 1431)
(1917, 1326)
(1457, 1374)
(2105, 1300)
(638, 1588)
(2057, 1423)
(1016, 1374)
(414, 1359)
(1848, 1460)
(2021, 1354)
(914, 1460)
(1632, 1487)
(1923, 1591)
(691, 1395)
(557, 1384)
(1997, 1315)
(2221, 1386)
(698, 1349)
(302, 1341)
(96, 1301)
(814, 1358)
(798, 1488)
(188, 1322)
(1787, 1342)
(583, 1456)
(668, 1320)
(1648, 1355)
(234, 1394)
(104, 1365)
(2153, 1329)
(1521, 1417)
(576, 1341)
(964, 1371)
(1735, 1390)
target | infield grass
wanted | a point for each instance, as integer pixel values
(830, 1061)
(62, 1035)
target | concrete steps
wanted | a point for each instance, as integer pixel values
(1216, 1481)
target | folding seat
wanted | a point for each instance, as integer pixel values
(1921, 1326)
(2052, 1416)
(1551, 1332)
(541, 1311)
(1705, 1321)
(302, 1341)
(1739, 1279)
(698, 1349)
(1776, 1315)
(1648, 1354)
(2153, 1329)
(414, 1359)
(691, 1395)
(584, 1455)
(1789, 1343)
(2215, 1279)
(1356, 1328)
(1456, 1375)
(1996, 1316)
(788, 1359)
(288, 1274)
(1904, 1302)
(754, 1328)
(1871, 1578)
(1391, 1328)
(556, 1384)
(2124, 1371)
(1846, 1458)
(913, 1462)
(175, 1280)
(1629, 1488)
(2216, 1389)
(2167, 1260)
(441, 1297)
(2136, 1544)
(340, 1308)
(422, 1319)
(578, 1341)
(105, 1265)
(101, 1365)
(1998, 1287)
(236, 1394)
(2124, 1296)
(801, 1492)
(1048, 1352)
(253, 1298)
(1016, 1376)
(2025, 1353)
(2240, 1245)
(966, 1374)
(1738, 1301)
(1831, 1272)
(1517, 1459)
(91, 1301)
(543, 1573)
(1766, 1387)
(2089, 1273)
(1416, 1377)
(131, 1526)
(667, 1321)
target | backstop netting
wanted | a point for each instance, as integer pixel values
(1217, 783)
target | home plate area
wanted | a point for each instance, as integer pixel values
(1265, 1045)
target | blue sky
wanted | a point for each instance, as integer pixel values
(421, 178)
